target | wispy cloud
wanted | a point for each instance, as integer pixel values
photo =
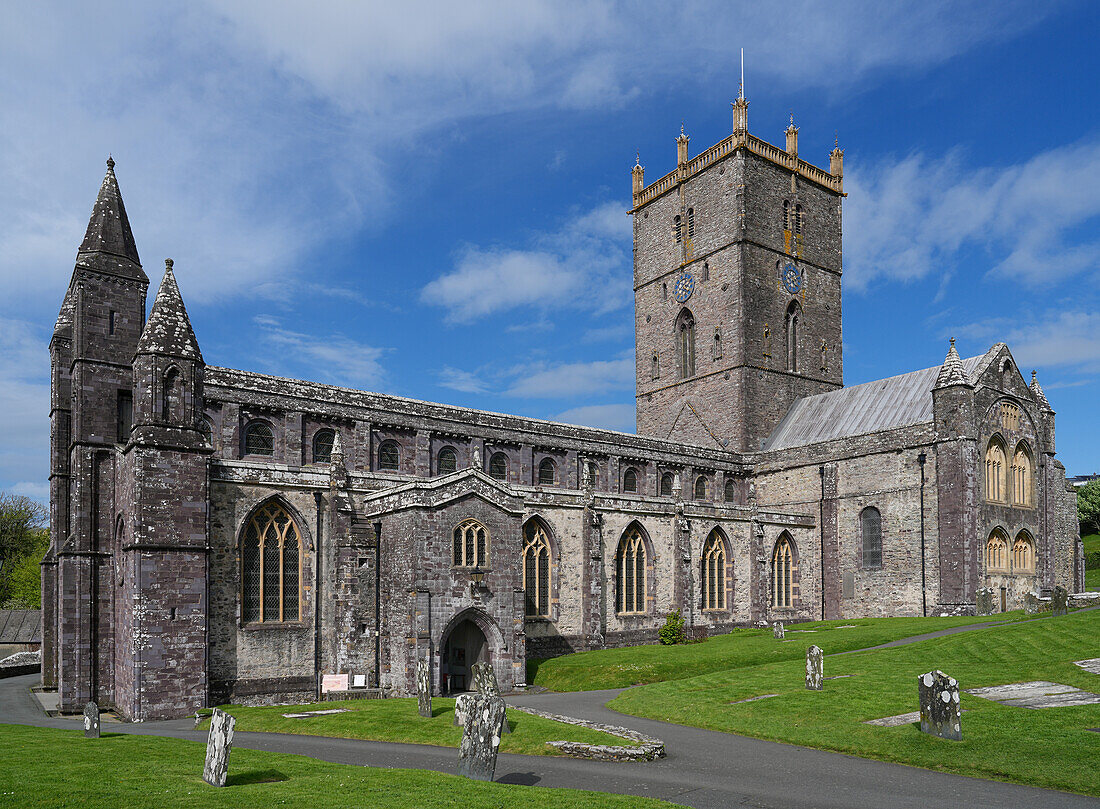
(1068, 340)
(912, 217)
(334, 358)
(570, 380)
(463, 381)
(610, 417)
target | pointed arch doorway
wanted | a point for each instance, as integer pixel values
(464, 645)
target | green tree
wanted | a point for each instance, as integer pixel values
(1088, 507)
(23, 541)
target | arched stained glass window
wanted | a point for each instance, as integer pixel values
(630, 480)
(546, 472)
(259, 439)
(783, 572)
(1023, 554)
(271, 561)
(714, 573)
(701, 488)
(389, 456)
(536, 569)
(870, 525)
(731, 491)
(498, 466)
(471, 545)
(323, 441)
(666, 484)
(630, 564)
(996, 551)
(448, 461)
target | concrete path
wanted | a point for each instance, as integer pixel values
(703, 769)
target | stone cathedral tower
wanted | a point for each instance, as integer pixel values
(737, 265)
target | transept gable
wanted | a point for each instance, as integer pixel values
(438, 492)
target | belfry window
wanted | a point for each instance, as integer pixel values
(323, 441)
(471, 545)
(691, 223)
(259, 439)
(271, 558)
(536, 569)
(685, 334)
(794, 315)
(786, 215)
(714, 573)
(677, 229)
(783, 572)
(797, 220)
(630, 564)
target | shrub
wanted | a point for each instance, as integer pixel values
(673, 630)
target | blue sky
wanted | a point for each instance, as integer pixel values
(432, 203)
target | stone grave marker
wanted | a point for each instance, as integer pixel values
(477, 757)
(464, 703)
(815, 668)
(940, 714)
(485, 684)
(984, 601)
(91, 721)
(1059, 600)
(777, 630)
(424, 688)
(1031, 603)
(219, 743)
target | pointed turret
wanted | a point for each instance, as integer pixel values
(168, 330)
(1037, 392)
(108, 243)
(952, 372)
(64, 325)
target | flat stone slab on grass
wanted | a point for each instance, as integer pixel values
(900, 719)
(307, 714)
(1092, 665)
(1036, 694)
(753, 699)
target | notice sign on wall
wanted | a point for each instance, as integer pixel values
(334, 682)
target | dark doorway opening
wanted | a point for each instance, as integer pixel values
(465, 645)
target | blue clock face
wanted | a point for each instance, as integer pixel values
(685, 285)
(792, 278)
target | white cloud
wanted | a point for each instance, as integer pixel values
(1069, 340)
(25, 403)
(583, 265)
(570, 380)
(335, 359)
(911, 217)
(609, 417)
(462, 381)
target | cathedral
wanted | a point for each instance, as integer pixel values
(222, 535)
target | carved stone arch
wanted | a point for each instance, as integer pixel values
(625, 580)
(716, 536)
(494, 644)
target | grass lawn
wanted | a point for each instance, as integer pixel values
(619, 668)
(397, 720)
(42, 767)
(1092, 577)
(1050, 748)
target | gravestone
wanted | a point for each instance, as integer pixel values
(815, 668)
(940, 714)
(219, 743)
(1059, 600)
(464, 703)
(984, 601)
(1031, 603)
(777, 630)
(477, 757)
(91, 721)
(485, 684)
(424, 688)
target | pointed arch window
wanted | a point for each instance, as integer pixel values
(701, 488)
(206, 427)
(259, 439)
(783, 572)
(793, 321)
(677, 229)
(996, 472)
(996, 551)
(323, 441)
(546, 472)
(685, 336)
(630, 480)
(536, 569)
(271, 572)
(1023, 554)
(797, 220)
(714, 573)
(1022, 477)
(691, 223)
(389, 456)
(630, 564)
(498, 466)
(870, 525)
(470, 546)
(666, 484)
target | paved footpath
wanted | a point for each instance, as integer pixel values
(703, 768)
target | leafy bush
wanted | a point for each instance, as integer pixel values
(1088, 507)
(672, 632)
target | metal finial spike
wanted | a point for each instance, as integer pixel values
(168, 263)
(952, 342)
(836, 138)
(792, 117)
(110, 161)
(637, 158)
(1033, 376)
(681, 128)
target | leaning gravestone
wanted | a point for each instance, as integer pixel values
(423, 688)
(1059, 600)
(815, 668)
(984, 601)
(778, 631)
(1031, 603)
(91, 721)
(485, 684)
(477, 757)
(940, 714)
(219, 743)
(464, 703)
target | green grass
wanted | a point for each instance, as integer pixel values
(1050, 748)
(1092, 577)
(42, 767)
(619, 668)
(397, 720)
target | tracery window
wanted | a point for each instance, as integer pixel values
(323, 441)
(731, 491)
(592, 470)
(1021, 476)
(447, 461)
(870, 525)
(498, 466)
(666, 484)
(714, 573)
(271, 559)
(471, 545)
(1010, 416)
(794, 316)
(546, 472)
(996, 474)
(206, 427)
(259, 439)
(630, 563)
(783, 572)
(389, 456)
(685, 331)
(630, 480)
(1023, 554)
(701, 488)
(996, 551)
(536, 569)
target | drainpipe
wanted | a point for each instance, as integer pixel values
(821, 530)
(923, 583)
(377, 605)
(318, 499)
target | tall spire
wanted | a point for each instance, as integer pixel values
(952, 372)
(109, 243)
(1037, 392)
(168, 330)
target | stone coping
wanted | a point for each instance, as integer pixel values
(649, 748)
